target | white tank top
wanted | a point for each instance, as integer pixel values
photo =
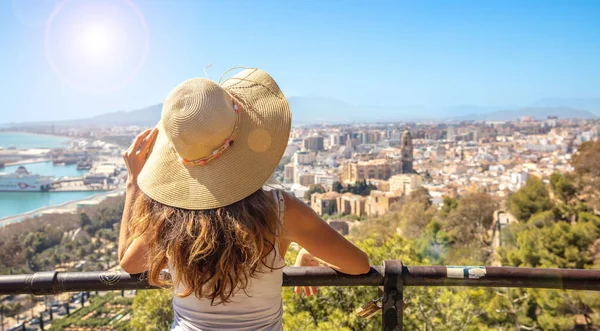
(261, 309)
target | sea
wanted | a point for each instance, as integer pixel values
(28, 140)
(14, 203)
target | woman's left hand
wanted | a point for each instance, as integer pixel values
(135, 156)
(305, 259)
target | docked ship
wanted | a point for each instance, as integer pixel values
(23, 181)
(84, 165)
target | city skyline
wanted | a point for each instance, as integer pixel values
(481, 56)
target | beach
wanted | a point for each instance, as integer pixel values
(67, 207)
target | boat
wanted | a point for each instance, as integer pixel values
(84, 165)
(24, 181)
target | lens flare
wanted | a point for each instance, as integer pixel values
(96, 46)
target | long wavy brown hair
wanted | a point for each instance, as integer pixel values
(214, 252)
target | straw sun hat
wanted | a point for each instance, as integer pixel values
(217, 144)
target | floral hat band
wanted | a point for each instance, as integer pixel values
(237, 108)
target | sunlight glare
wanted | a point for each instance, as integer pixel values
(96, 46)
(97, 40)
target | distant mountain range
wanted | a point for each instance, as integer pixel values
(310, 110)
(590, 104)
(536, 112)
(306, 110)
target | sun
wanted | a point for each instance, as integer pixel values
(96, 46)
(97, 39)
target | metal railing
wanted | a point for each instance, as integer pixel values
(393, 276)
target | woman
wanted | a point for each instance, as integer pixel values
(195, 205)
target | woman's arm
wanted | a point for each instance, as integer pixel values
(133, 257)
(303, 226)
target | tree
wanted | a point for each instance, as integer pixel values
(432, 308)
(449, 205)
(469, 222)
(420, 195)
(529, 200)
(414, 217)
(563, 187)
(337, 187)
(314, 188)
(586, 159)
(548, 243)
(84, 220)
(152, 310)
(587, 172)
(433, 244)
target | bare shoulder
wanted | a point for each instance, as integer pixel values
(296, 210)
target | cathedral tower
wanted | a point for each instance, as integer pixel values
(407, 152)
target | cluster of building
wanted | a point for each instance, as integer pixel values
(100, 163)
(447, 159)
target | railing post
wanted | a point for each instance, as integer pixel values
(392, 309)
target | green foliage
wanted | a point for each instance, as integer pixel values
(84, 220)
(360, 187)
(315, 188)
(586, 159)
(468, 224)
(152, 310)
(558, 244)
(414, 217)
(421, 195)
(48, 245)
(433, 244)
(449, 205)
(97, 313)
(587, 173)
(337, 187)
(529, 200)
(548, 242)
(563, 187)
(433, 308)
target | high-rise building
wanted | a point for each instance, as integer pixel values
(288, 175)
(313, 143)
(440, 153)
(306, 179)
(304, 157)
(337, 139)
(451, 134)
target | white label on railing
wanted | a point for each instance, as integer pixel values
(477, 272)
(465, 272)
(455, 272)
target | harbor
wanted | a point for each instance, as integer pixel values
(56, 178)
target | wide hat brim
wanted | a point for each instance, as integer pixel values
(242, 169)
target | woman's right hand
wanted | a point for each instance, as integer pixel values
(135, 156)
(305, 259)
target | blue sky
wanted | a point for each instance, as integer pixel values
(431, 53)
